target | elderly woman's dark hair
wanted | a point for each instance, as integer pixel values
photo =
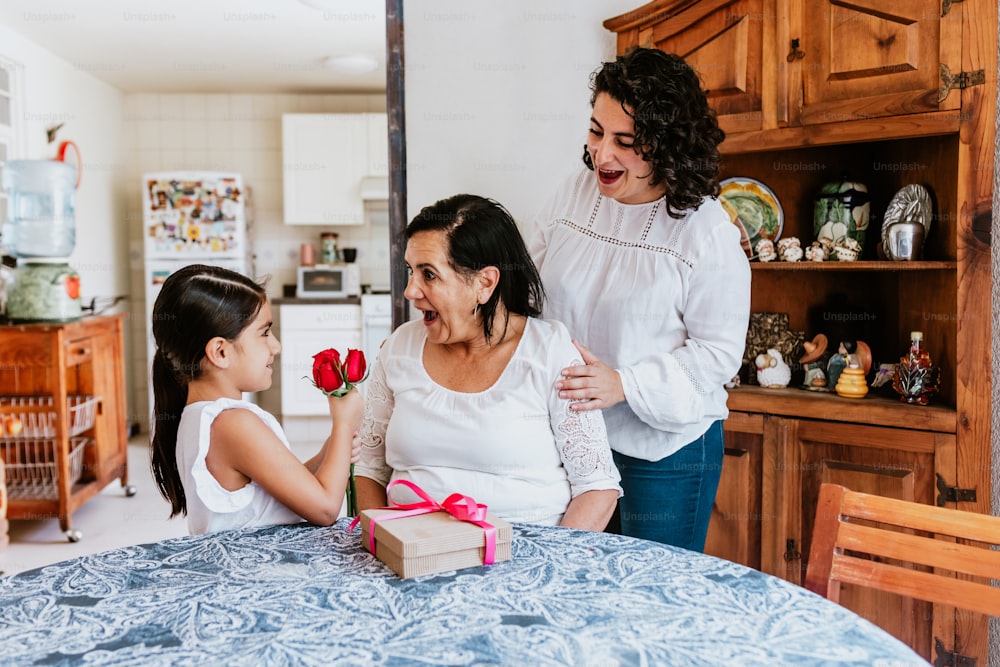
(675, 129)
(480, 233)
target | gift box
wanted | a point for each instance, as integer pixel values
(433, 542)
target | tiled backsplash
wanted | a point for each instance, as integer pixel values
(242, 133)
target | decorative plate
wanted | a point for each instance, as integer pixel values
(755, 206)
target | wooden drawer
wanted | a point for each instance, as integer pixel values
(79, 351)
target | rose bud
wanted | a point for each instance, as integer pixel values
(326, 371)
(355, 366)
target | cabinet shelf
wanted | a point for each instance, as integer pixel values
(874, 410)
(928, 124)
(884, 266)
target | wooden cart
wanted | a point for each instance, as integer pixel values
(62, 405)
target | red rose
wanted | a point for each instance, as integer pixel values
(336, 378)
(327, 373)
(355, 366)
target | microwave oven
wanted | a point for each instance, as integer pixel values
(328, 281)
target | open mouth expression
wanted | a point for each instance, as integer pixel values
(622, 173)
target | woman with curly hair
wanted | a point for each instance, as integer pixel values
(642, 264)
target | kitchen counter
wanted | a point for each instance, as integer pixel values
(297, 301)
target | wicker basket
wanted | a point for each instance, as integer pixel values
(30, 452)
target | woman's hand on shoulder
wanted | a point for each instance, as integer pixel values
(595, 385)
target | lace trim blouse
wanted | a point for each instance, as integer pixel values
(515, 447)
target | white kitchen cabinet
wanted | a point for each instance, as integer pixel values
(325, 158)
(378, 144)
(303, 331)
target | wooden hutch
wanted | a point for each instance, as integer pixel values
(888, 94)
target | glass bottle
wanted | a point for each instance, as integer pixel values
(915, 379)
(918, 356)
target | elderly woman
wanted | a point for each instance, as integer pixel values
(463, 400)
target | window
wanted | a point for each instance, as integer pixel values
(9, 99)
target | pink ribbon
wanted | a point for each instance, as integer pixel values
(462, 507)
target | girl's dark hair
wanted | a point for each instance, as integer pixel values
(196, 304)
(480, 233)
(675, 129)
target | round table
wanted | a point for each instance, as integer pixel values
(304, 595)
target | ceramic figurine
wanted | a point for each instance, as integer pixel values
(790, 249)
(765, 250)
(814, 364)
(847, 250)
(772, 371)
(851, 383)
(815, 252)
(766, 331)
(844, 357)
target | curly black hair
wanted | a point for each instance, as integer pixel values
(676, 130)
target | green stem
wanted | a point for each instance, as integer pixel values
(352, 495)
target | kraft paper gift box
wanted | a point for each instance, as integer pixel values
(430, 543)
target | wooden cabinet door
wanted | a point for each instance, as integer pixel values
(726, 42)
(896, 463)
(734, 530)
(877, 58)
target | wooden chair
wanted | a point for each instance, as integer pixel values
(853, 553)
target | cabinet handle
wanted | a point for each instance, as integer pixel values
(791, 553)
(81, 351)
(796, 53)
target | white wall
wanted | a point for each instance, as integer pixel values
(233, 132)
(56, 91)
(497, 95)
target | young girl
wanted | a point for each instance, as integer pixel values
(222, 461)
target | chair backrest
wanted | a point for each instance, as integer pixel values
(845, 551)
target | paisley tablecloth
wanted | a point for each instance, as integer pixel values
(303, 595)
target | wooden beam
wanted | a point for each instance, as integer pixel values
(396, 113)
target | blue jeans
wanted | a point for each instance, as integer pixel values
(671, 500)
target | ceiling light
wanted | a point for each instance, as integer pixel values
(356, 64)
(325, 5)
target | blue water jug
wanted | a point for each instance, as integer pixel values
(40, 204)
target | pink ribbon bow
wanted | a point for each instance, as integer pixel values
(462, 507)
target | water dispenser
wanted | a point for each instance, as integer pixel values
(41, 233)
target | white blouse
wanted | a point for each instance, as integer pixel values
(514, 447)
(210, 506)
(664, 301)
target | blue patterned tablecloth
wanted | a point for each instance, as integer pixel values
(302, 595)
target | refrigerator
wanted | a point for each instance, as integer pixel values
(191, 217)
